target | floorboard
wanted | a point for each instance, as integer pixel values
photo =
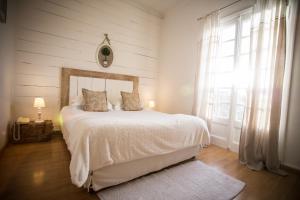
(41, 171)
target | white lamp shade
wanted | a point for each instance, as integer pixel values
(39, 102)
(151, 104)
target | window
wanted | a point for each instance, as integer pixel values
(231, 73)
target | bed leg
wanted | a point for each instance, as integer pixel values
(90, 189)
(89, 183)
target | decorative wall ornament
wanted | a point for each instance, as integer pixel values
(105, 54)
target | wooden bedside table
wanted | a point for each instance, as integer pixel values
(31, 132)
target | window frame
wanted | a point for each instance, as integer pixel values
(235, 18)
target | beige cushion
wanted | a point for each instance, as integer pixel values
(131, 101)
(94, 101)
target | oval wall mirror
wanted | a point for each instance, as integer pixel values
(105, 56)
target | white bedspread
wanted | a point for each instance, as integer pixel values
(99, 139)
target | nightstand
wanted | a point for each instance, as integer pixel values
(31, 132)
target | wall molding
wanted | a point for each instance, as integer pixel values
(146, 9)
(219, 141)
(291, 168)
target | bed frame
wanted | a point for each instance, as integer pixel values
(66, 73)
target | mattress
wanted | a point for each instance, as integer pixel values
(97, 140)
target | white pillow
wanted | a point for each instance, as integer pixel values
(109, 106)
(117, 105)
(76, 101)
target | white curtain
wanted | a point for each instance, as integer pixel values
(291, 20)
(260, 132)
(269, 77)
(208, 53)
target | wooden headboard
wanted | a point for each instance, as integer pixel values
(66, 73)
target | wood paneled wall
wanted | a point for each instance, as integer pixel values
(66, 33)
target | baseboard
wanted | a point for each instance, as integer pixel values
(221, 142)
(4, 143)
(235, 147)
(218, 141)
(2, 147)
(291, 168)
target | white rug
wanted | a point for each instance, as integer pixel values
(189, 181)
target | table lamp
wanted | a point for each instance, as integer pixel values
(39, 103)
(151, 104)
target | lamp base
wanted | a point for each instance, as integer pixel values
(39, 119)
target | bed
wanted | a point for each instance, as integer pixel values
(109, 148)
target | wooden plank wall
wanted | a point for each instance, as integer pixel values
(56, 33)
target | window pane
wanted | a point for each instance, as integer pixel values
(227, 48)
(265, 59)
(242, 77)
(265, 79)
(223, 95)
(221, 111)
(225, 64)
(244, 61)
(245, 46)
(266, 42)
(224, 80)
(254, 41)
(246, 25)
(241, 97)
(222, 99)
(239, 113)
(263, 101)
(228, 32)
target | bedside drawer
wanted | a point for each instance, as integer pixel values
(32, 132)
(38, 130)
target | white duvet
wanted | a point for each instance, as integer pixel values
(99, 139)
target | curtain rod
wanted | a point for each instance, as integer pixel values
(199, 18)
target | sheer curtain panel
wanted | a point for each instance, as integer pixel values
(258, 146)
(204, 79)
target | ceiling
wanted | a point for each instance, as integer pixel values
(158, 6)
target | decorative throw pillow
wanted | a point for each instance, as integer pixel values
(131, 101)
(94, 101)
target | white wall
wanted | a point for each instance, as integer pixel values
(292, 150)
(56, 33)
(6, 70)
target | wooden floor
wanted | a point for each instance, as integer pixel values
(41, 171)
